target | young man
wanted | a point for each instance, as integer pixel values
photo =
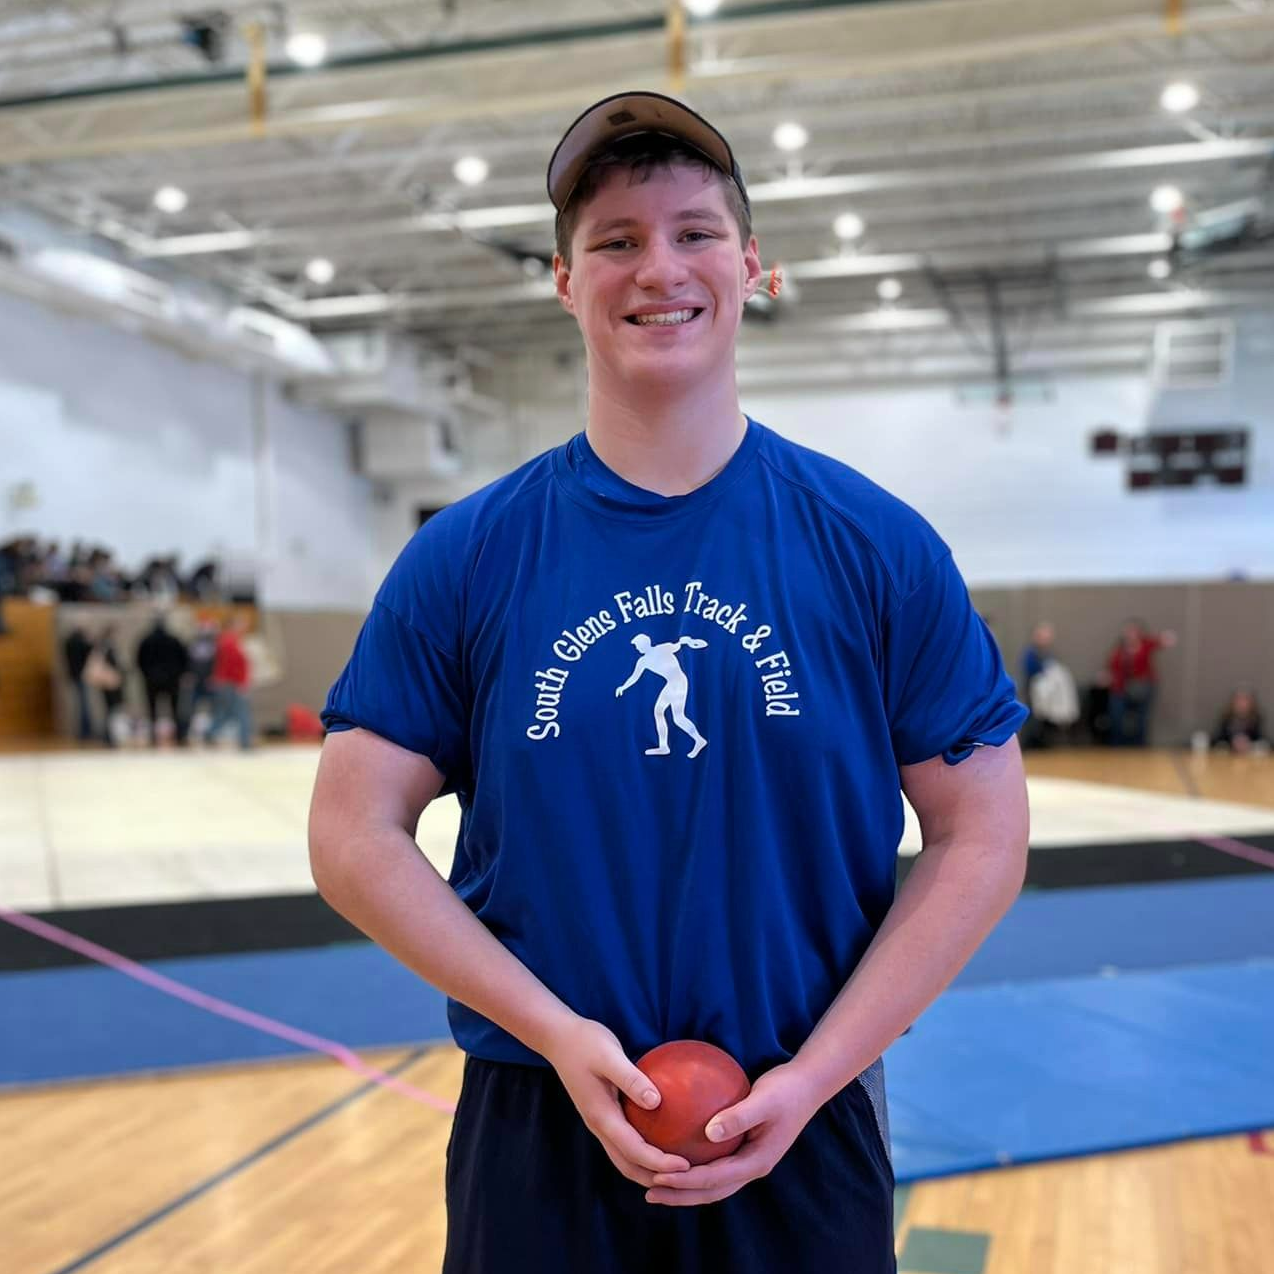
(616, 883)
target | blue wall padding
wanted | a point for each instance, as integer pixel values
(1057, 933)
(1009, 1073)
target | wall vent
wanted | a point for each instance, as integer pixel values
(1193, 355)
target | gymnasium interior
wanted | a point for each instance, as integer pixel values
(276, 288)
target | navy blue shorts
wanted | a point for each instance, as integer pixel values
(531, 1191)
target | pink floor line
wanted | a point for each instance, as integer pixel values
(210, 1004)
(1253, 853)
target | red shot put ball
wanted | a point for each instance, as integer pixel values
(696, 1081)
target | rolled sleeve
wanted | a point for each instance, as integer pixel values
(946, 689)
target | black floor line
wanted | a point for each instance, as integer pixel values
(233, 1170)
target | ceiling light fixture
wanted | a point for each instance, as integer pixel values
(320, 271)
(849, 225)
(1166, 199)
(1179, 96)
(790, 136)
(889, 289)
(171, 199)
(307, 48)
(471, 170)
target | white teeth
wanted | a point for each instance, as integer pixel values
(664, 320)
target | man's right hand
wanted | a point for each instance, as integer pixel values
(594, 1069)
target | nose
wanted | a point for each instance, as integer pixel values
(659, 267)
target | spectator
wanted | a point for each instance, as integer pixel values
(203, 655)
(1239, 728)
(1037, 653)
(1049, 688)
(20, 560)
(10, 557)
(76, 650)
(230, 678)
(159, 579)
(164, 662)
(102, 671)
(53, 566)
(105, 584)
(1133, 681)
(203, 582)
(90, 573)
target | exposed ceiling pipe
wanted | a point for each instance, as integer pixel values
(672, 24)
(522, 215)
(247, 169)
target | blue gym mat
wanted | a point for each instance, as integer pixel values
(1011, 1073)
(1058, 933)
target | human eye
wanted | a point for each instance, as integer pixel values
(612, 245)
(698, 236)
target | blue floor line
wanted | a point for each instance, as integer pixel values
(233, 1170)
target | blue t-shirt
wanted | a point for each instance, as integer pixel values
(674, 726)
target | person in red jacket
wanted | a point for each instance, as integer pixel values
(1131, 669)
(229, 682)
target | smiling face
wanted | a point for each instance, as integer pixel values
(657, 280)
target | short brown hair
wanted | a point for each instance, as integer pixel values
(641, 155)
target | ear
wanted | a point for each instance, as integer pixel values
(562, 281)
(751, 269)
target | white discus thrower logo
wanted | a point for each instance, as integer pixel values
(662, 660)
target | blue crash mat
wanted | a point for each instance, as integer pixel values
(1005, 1074)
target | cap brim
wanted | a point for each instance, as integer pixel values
(622, 115)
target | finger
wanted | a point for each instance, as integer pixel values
(641, 1176)
(738, 1119)
(630, 1143)
(634, 1084)
(638, 1087)
(691, 1198)
(746, 1164)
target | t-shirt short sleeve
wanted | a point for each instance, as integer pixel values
(405, 678)
(946, 690)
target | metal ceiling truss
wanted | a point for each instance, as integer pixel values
(1008, 142)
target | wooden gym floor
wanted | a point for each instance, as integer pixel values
(300, 1165)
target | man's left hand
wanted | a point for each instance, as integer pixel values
(772, 1115)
